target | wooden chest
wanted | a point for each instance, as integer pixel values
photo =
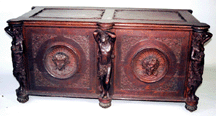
(109, 53)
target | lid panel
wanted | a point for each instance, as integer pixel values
(148, 15)
(69, 13)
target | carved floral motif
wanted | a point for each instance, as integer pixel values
(128, 42)
(38, 40)
(175, 45)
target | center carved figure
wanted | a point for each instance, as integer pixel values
(60, 60)
(150, 66)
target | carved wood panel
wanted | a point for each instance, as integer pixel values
(149, 63)
(61, 60)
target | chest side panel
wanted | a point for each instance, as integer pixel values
(151, 64)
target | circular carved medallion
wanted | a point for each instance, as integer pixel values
(60, 62)
(150, 65)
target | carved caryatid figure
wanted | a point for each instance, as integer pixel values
(17, 49)
(105, 41)
(196, 68)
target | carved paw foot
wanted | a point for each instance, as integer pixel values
(191, 108)
(22, 97)
(105, 102)
(191, 103)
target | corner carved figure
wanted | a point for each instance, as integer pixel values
(196, 68)
(18, 61)
(105, 41)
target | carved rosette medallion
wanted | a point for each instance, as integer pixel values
(60, 62)
(150, 65)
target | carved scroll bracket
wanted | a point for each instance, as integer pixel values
(199, 37)
(15, 31)
(105, 41)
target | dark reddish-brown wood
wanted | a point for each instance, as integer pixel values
(109, 53)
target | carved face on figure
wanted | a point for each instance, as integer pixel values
(104, 36)
(150, 64)
(104, 39)
(60, 60)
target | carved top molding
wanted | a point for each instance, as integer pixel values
(201, 28)
(121, 17)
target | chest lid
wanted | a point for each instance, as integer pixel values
(117, 16)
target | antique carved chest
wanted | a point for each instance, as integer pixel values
(109, 53)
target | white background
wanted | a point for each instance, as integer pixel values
(203, 10)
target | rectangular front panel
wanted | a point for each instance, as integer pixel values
(150, 64)
(61, 60)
